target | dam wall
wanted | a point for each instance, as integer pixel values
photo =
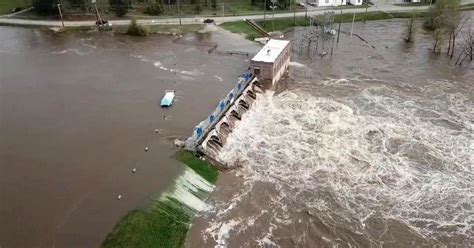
(267, 66)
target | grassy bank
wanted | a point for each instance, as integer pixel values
(167, 29)
(201, 167)
(242, 28)
(7, 5)
(166, 222)
(284, 24)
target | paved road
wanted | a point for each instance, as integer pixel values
(380, 5)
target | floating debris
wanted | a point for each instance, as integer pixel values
(119, 197)
(146, 148)
(134, 170)
(167, 99)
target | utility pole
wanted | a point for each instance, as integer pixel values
(179, 12)
(352, 27)
(97, 14)
(273, 15)
(366, 7)
(264, 12)
(223, 11)
(339, 29)
(60, 13)
(294, 16)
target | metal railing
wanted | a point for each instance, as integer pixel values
(205, 126)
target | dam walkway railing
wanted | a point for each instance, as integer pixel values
(204, 127)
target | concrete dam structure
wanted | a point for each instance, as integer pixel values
(266, 69)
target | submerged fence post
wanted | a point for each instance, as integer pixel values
(339, 29)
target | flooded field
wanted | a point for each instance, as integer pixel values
(77, 110)
(370, 148)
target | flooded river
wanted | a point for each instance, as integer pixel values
(77, 110)
(370, 148)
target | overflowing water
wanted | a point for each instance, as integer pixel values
(190, 190)
(352, 156)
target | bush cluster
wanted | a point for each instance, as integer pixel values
(119, 7)
(136, 29)
(154, 9)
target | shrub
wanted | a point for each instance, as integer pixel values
(119, 7)
(251, 37)
(154, 9)
(198, 8)
(136, 29)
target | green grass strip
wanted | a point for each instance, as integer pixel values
(242, 28)
(7, 5)
(166, 222)
(201, 167)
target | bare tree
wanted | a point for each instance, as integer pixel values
(410, 30)
(467, 51)
(453, 20)
(438, 36)
(456, 27)
(469, 43)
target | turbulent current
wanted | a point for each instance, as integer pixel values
(351, 162)
(362, 161)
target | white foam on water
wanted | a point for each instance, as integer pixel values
(404, 158)
(60, 52)
(218, 78)
(208, 28)
(160, 65)
(74, 51)
(224, 233)
(188, 183)
(194, 72)
(187, 75)
(297, 64)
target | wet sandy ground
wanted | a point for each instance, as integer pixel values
(77, 110)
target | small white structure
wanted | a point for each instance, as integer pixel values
(405, 1)
(355, 2)
(272, 60)
(327, 3)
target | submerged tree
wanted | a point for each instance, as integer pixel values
(467, 51)
(435, 16)
(454, 22)
(438, 36)
(410, 30)
(446, 19)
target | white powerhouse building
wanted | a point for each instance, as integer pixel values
(272, 60)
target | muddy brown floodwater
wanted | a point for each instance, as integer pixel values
(372, 147)
(77, 110)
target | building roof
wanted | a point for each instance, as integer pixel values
(269, 53)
